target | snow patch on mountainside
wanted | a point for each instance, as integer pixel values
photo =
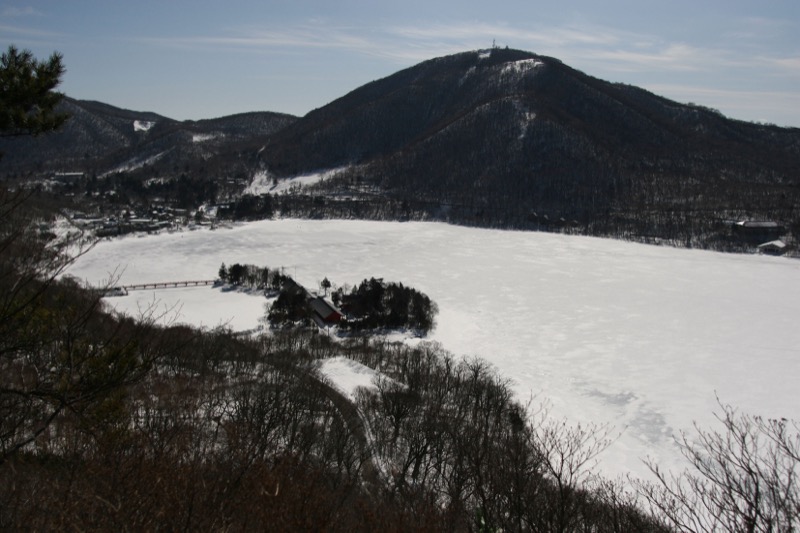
(469, 73)
(204, 137)
(526, 117)
(264, 183)
(143, 125)
(522, 66)
(525, 123)
(139, 162)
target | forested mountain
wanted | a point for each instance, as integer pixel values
(505, 137)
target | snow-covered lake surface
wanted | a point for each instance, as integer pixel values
(640, 337)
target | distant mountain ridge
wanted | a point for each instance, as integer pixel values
(100, 138)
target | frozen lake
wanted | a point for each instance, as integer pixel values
(640, 337)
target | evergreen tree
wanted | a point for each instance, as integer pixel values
(326, 285)
(61, 355)
(264, 281)
(236, 274)
(27, 96)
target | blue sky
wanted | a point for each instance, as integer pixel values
(203, 59)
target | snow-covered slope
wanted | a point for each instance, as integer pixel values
(264, 183)
(347, 376)
(640, 337)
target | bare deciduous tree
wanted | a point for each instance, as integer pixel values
(743, 478)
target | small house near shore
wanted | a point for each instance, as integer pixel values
(324, 313)
(755, 232)
(776, 247)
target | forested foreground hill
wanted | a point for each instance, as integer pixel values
(204, 431)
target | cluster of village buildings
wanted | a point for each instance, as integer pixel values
(128, 221)
(768, 237)
(764, 235)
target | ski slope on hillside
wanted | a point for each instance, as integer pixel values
(640, 337)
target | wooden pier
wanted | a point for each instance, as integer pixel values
(167, 285)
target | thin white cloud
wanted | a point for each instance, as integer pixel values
(617, 50)
(402, 45)
(16, 12)
(790, 65)
(734, 103)
(267, 40)
(610, 49)
(757, 28)
(401, 42)
(675, 57)
(503, 32)
(686, 58)
(724, 93)
(27, 34)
